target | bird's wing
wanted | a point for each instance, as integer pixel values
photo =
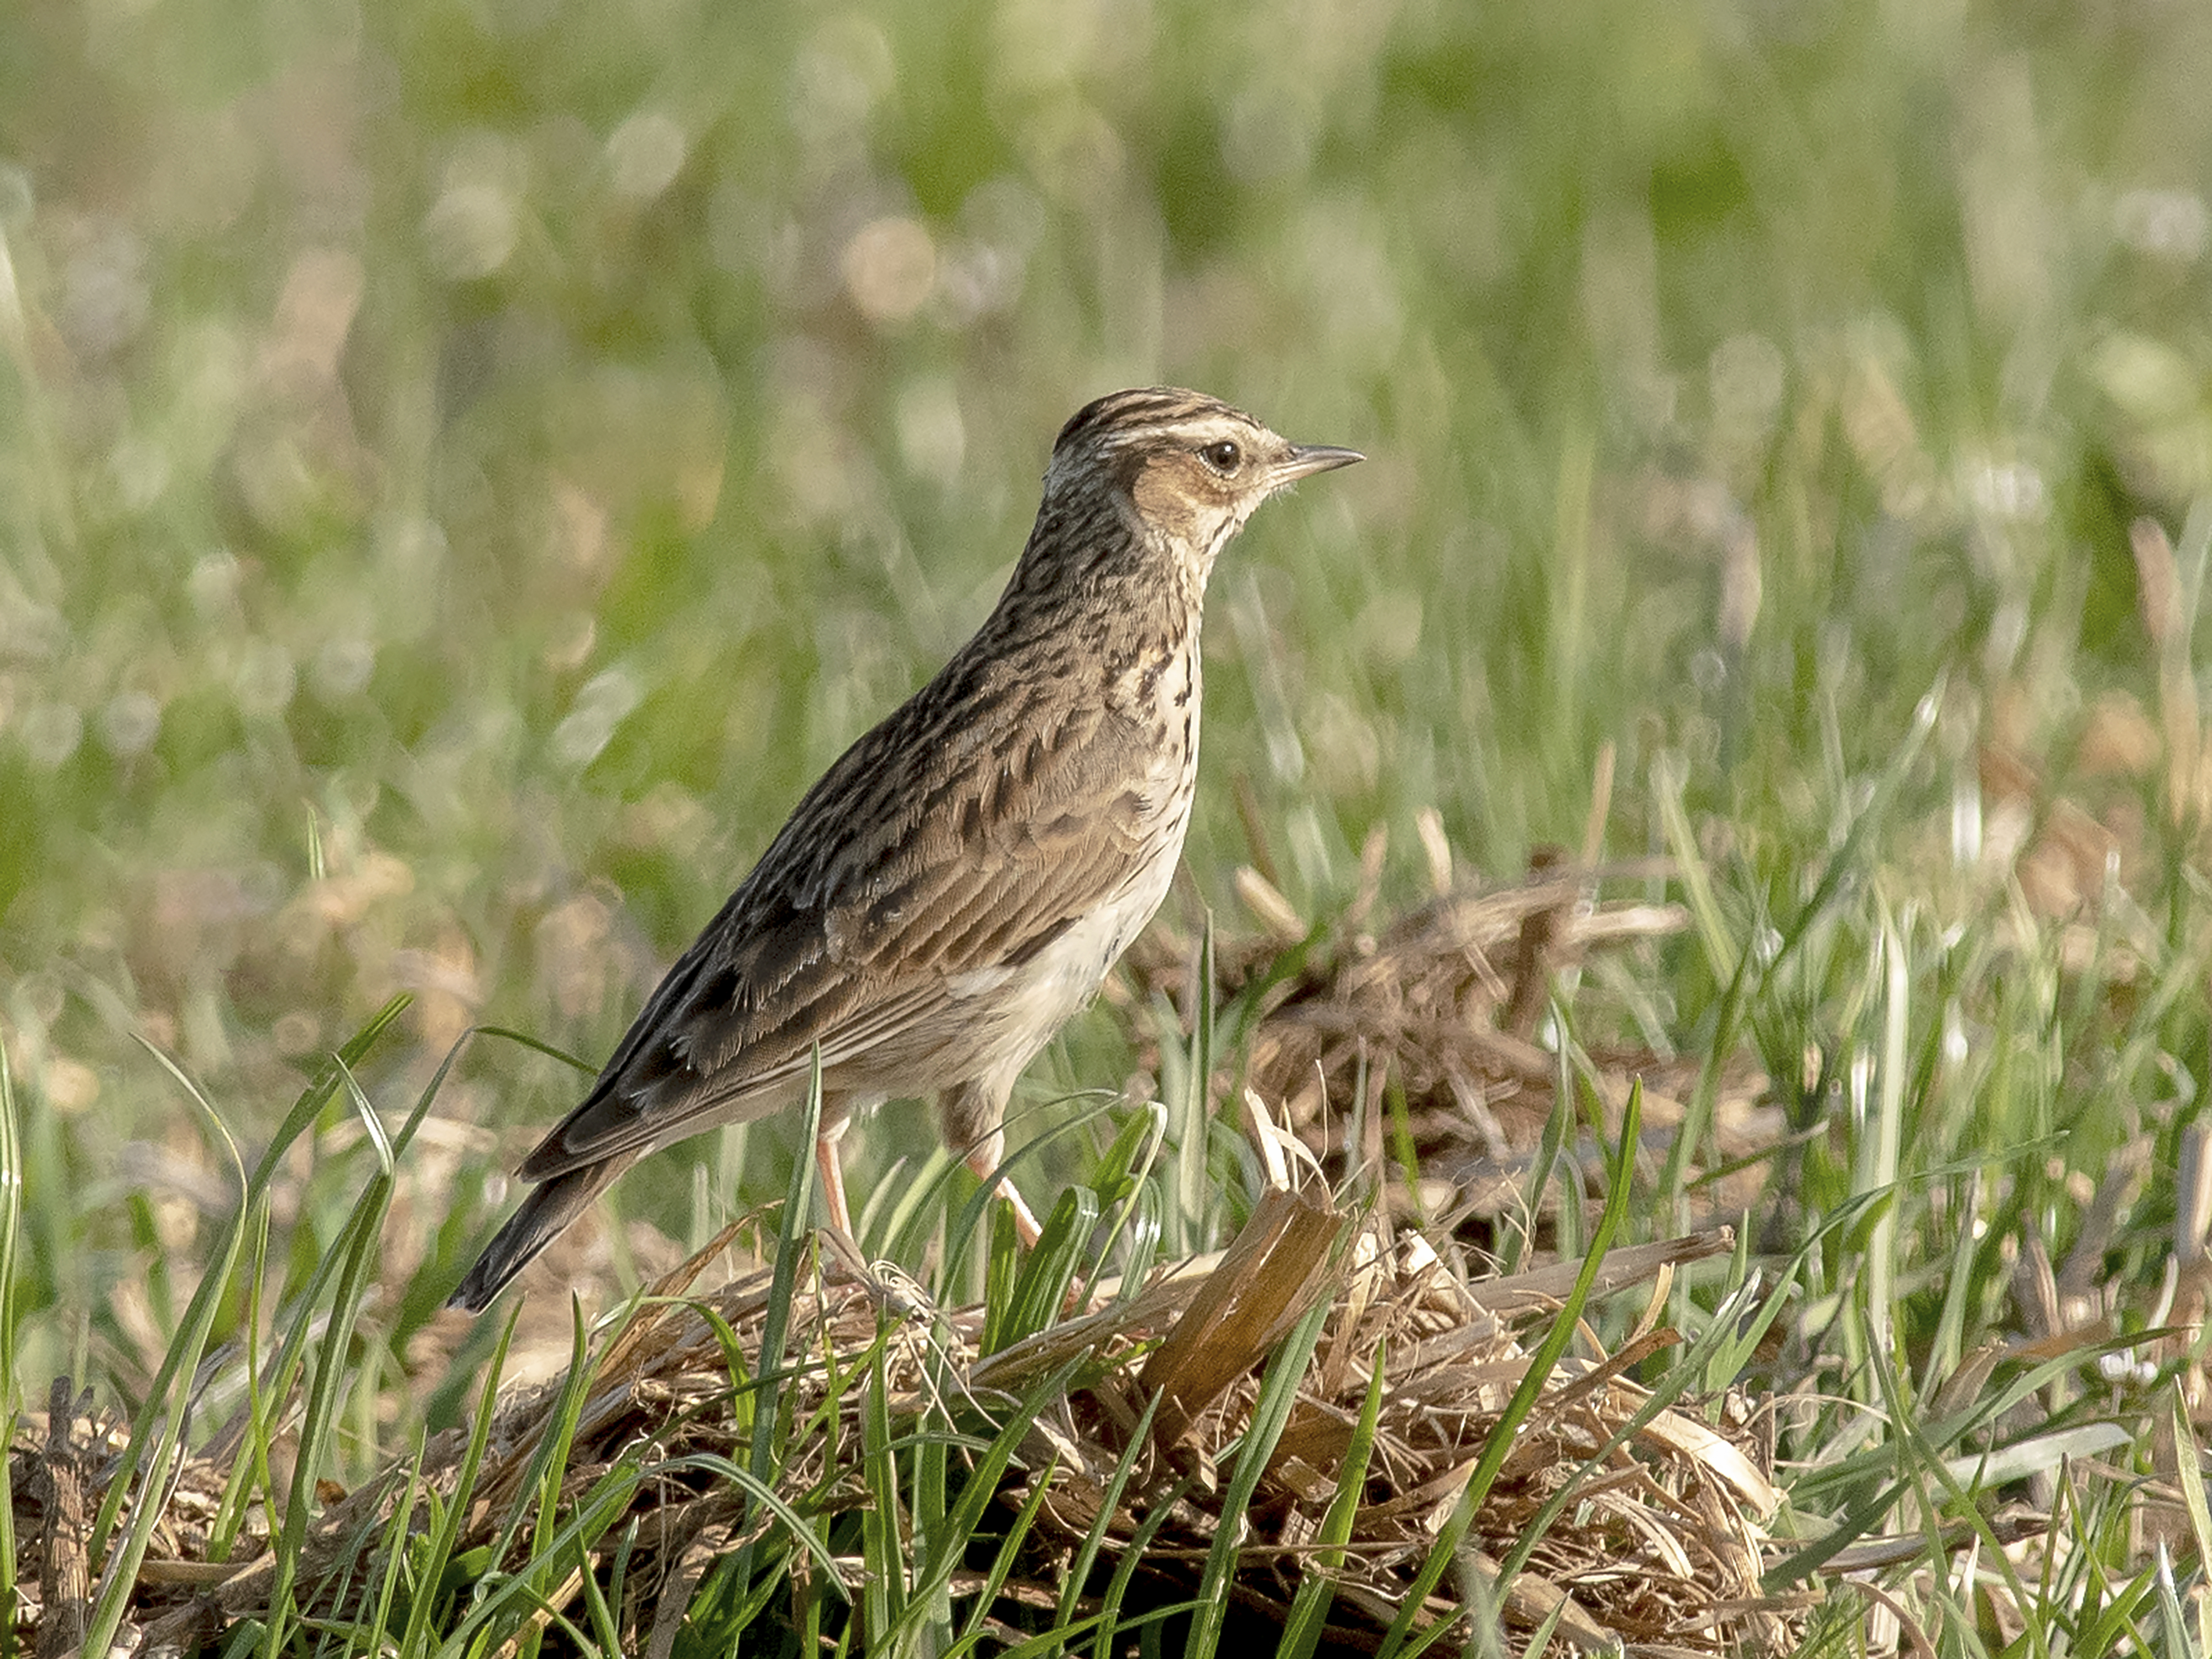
(897, 875)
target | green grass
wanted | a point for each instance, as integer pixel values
(463, 472)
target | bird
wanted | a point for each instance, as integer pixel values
(960, 881)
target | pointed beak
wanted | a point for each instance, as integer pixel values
(1308, 459)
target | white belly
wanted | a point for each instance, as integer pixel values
(1022, 1007)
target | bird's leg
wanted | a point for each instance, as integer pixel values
(970, 1116)
(984, 1161)
(833, 1173)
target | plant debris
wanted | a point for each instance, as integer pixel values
(1622, 1518)
(1660, 1544)
(1432, 1022)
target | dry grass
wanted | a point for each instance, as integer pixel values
(1635, 1520)
(1433, 1020)
(1662, 1543)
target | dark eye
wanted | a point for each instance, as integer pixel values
(1222, 457)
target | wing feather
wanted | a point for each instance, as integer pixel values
(884, 889)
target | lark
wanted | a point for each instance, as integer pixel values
(959, 883)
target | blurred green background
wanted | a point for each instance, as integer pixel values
(465, 467)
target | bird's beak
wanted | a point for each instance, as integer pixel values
(1307, 458)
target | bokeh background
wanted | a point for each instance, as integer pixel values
(465, 467)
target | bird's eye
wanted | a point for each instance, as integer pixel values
(1222, 457)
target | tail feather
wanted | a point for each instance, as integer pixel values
(544, 1216)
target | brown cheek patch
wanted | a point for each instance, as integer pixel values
(1163, 499)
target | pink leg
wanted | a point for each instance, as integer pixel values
(985, 1163)
(970, 1116)
(833, 1175)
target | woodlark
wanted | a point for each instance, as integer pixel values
(958, 883)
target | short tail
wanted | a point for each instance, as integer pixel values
(544, 1215)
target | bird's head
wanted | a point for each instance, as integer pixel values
(1180, 470)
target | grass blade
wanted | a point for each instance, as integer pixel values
(11, 1217)
(1308, 1616)
(1523, 1398)
(1279, 1392)
(447, 1531)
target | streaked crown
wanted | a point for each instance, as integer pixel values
(1181, 469)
